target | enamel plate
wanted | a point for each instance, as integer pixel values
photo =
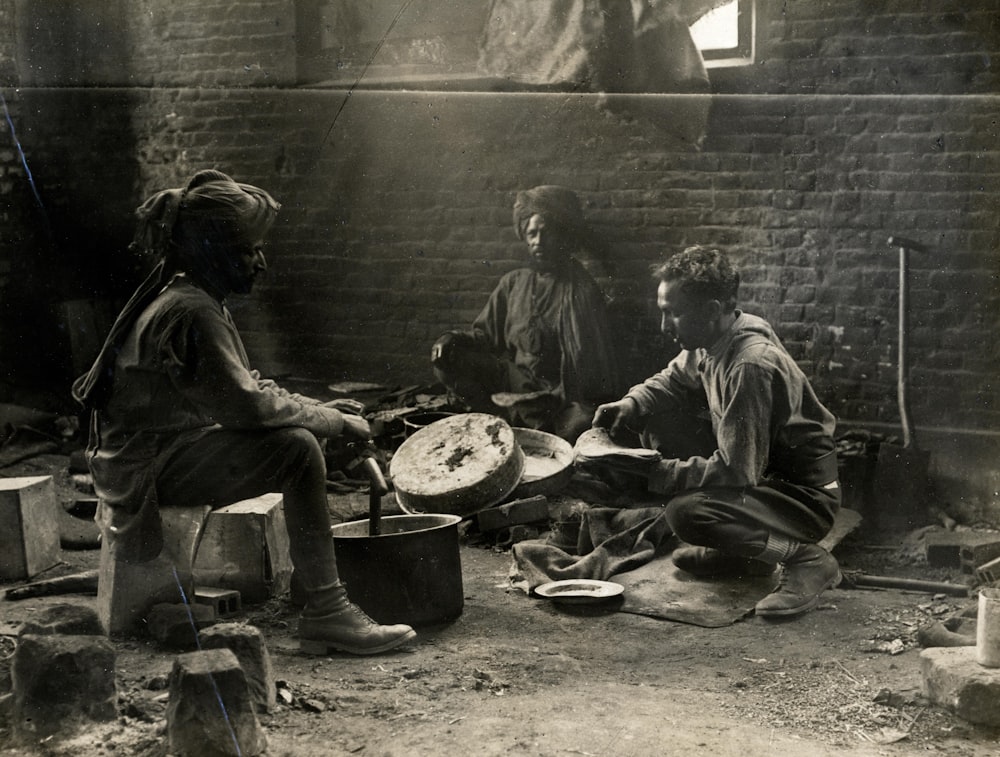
(579, 590)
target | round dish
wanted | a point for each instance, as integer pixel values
(458, 465)
(548, 463)
(579, 590)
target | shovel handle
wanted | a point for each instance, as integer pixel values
(902, 389)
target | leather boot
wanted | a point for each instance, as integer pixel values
(706, 561)
(808, 572)
(331, 621)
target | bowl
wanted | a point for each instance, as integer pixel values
(548, 463)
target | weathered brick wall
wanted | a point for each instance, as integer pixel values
(859, 120)
(212, 43)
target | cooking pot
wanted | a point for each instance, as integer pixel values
(410, 572)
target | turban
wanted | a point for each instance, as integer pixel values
(174, 225)
(557, 204)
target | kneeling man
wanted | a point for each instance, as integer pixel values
(747, 451)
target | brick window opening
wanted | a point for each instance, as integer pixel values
(725, 34)
(434, 44)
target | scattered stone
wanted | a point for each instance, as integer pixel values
(174, 625)
(520, 511)
(61, 680)
(954, 680)
(66, 619)
(937, 634)
(210, 712)
(247, 643)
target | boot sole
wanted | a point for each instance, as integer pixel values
(791, 611)
(322, 647)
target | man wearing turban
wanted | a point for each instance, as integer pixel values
(178, 417)
(540, 353)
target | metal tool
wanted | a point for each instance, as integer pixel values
(901, 483)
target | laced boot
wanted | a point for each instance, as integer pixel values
(331, 621)
(808, 572)
(706, 561)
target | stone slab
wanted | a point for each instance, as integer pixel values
(518, 512)
(245, 548)
(127, 591)
(954, 680)
(29, 527)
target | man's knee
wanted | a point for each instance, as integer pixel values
(296, 444)
(686, 516)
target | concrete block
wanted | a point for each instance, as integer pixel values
(953, 679)
(224, 602)
(66, 619)
(210, 709)
(944, 548)
(979, 552)
(518, 512)
(29, 527)
(247, 643)
(245, 548)
(177, 625)
(61, 681)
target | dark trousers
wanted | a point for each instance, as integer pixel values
(226, 466)
(737, 520)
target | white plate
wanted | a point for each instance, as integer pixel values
(579, 590)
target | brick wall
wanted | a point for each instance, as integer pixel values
(859, 120)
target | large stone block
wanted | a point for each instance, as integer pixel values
(62, 681)
(245, 548)
(29, 527)
(210, 711)
(127, 591)
(954, 680)
(66, 619)
(247, 643)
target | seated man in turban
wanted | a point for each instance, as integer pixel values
(179, 418)
(540, 354)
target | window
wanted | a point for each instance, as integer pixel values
(434, 44)
(725, 35)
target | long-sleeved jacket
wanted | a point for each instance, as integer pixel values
(554, 332)
(181, 372)
(765, 415)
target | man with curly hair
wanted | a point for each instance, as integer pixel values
(748, 461)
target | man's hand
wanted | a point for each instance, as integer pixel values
(616, 417)
(356, 426)
(443, 349)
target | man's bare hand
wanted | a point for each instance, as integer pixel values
(443, 349)
(616, 417)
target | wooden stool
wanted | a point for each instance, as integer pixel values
(127, 591)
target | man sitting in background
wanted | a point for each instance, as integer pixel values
(540, 353)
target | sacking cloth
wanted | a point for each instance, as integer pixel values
(611, 541)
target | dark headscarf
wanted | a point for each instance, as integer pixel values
(189, 229)
(561, 206)
(558, 204)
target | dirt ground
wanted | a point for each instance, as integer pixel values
(520, 675)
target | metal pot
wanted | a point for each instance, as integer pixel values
(409, 573)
